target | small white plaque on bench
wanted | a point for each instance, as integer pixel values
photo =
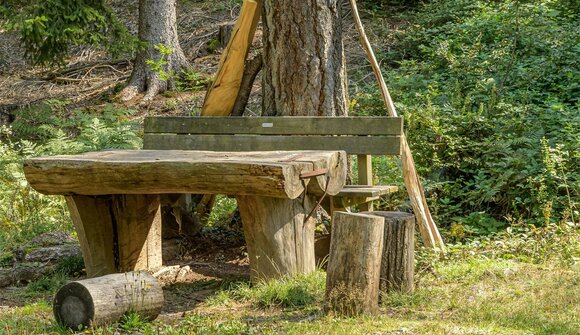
(267, 125)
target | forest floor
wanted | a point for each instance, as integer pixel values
(526, 282)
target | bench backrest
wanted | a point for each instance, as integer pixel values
(355, 135)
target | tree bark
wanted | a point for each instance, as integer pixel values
(398, 259)
(304, 71)
(157, 25)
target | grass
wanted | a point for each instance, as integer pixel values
(466, 291)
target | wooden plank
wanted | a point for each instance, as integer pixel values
(221, 96)
(371, 145)
(273, 174)
(294, 125)
(365, 177)
(138, 221)
(91, 217)
(362, 191)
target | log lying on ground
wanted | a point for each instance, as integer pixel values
(352, 276)
(104, 300)
(398, 258)
(268, 173)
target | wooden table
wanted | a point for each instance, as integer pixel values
(113, 199)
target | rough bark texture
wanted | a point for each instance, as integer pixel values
(104, 300)
(251, 71)
(352, 276)
(304, 72)
(397, 265)
(157, 25)
(279, 242)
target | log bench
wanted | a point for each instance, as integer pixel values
(360, 136)
(114, 199)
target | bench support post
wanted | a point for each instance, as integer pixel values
(279, 241)
(117, 233)
(365, 177)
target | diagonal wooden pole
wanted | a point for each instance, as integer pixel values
(427, 227)
(221, 96)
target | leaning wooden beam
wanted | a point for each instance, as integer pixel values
(268, 174)
(222, 95)
(427, 227)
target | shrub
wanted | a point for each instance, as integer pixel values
(489, 93)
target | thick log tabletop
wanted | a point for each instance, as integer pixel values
(113, 199)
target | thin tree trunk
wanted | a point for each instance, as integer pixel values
(304, 71)
(157, 26)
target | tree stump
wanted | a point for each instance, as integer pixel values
(398, 258)
(352, 276)
(225, 33)
(279, 241)
(102, 300)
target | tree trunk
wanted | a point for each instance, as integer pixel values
(157, 26)
(304, 71)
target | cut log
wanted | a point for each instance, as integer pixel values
(352, 276)
(398, 259)
(279, 242)
(271, 173)
(104, 300)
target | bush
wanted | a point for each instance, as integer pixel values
(25, 213)
(489, 93)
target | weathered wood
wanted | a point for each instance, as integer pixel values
(138, 221)
(273, 174)
(93, 223)
(221, 96)
(352, 275)
(279, 242)
(426, 224)
(371, 145)
(104, 300)
(398, 259)
(365, 177)
(280, 125)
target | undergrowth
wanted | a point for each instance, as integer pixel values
(489, 92)
(46, 130)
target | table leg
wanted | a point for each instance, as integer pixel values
(117, 233)
(93, 222)
(138, 221)
(279, 241)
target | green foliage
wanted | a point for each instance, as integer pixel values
(489, 91)
(49, 28)
(48, 130)
(131, 321)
